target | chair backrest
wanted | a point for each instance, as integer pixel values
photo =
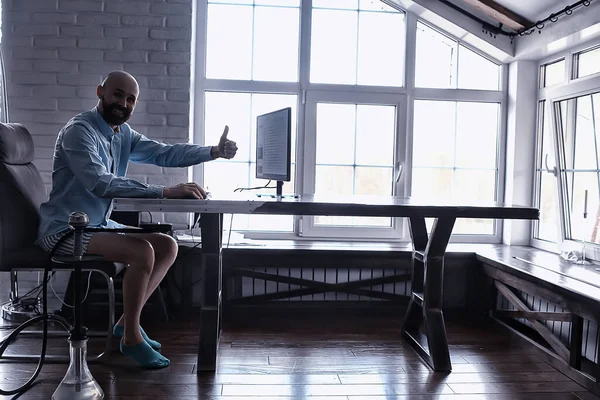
(22, 190)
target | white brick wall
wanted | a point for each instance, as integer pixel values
(57, 51)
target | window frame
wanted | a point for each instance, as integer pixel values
(313, 97)
(304, 88)
(572, 88)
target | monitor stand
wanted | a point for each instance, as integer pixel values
(279, 194)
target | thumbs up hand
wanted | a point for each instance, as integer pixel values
(226, 148)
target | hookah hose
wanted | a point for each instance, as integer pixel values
(45, 318)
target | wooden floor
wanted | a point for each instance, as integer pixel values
(325, 358)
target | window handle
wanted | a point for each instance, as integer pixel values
(550, 171)
(399, 173)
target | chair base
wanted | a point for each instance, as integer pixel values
(56, 358)
(19, 312)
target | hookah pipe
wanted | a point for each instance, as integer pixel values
(78, 382)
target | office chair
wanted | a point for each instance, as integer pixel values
(21, 193)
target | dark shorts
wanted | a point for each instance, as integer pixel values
(67, 246)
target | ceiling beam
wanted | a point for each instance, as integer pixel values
(501, 14)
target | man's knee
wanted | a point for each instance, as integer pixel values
(143, 255)
(166, 245)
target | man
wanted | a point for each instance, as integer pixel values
(90, 163)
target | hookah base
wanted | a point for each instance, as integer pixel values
(78, 383)
(89, 390)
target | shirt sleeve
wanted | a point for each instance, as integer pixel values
(148, 151)
(80, 149)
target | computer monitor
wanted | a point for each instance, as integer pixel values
(274, 146)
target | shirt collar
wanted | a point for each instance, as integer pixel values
(106, 130)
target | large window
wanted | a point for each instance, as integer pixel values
(341, 66)
(568, 158)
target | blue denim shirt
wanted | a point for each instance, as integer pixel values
(90, 164)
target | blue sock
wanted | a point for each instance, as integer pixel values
(145, 355)
(118, 332)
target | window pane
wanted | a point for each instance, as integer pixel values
(336, 127)
(474, 186)
(341, 4)
(582, 165)
(433, 138)
(548, 227)
(435, 59)
(547, 198)
(334, 180)
(375, 132)
(223, 177)
(232, 109)
(585, 137)
(476, 72)
(338, 180)
(333, 51)
(373, 181)
(454, 155)
(276, 44)
(477, 134)
(432, 183)
(229, 51)
(377, 64)
(588, 63)
(579, 182)
(554, 73)
(369, 181)
(353, 53)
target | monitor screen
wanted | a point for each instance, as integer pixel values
(273, 145)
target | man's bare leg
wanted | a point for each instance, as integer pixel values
(139, 255)
(165, 252)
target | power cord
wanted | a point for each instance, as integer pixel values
(256, 187)
(84, 297)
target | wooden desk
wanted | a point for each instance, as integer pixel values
(427, 257)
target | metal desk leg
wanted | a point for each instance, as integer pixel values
(425, 305)
(211, 226)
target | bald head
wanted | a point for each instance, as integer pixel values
(117, 96)
(120, 78)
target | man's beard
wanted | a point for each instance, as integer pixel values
(111, 115)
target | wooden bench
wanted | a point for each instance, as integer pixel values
(532, 281)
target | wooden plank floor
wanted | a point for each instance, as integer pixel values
(318, 358)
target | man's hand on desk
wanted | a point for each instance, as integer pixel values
(189, 190)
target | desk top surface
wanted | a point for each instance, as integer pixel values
(371, 206)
